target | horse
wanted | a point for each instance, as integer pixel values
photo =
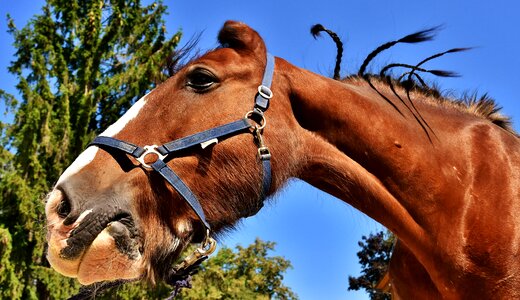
(442, 175)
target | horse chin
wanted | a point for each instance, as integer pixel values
(113, 255)
(110, 257)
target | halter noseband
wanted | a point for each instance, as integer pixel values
(205, 138)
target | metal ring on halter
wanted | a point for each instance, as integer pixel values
(262, 122)
(208, 246)
(149, 150)
(265, 91)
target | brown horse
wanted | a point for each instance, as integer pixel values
(447, 183)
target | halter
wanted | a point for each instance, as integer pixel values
(253, 122)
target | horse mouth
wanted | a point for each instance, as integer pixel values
(97, 247)
(126, 238)
(120, 227)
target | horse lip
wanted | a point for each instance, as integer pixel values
(125, 238)
(82, 236)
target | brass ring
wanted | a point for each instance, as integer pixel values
(262, 123)
(208, 246)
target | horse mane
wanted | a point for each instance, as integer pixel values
(483, 106)
(411, 82)
(315, 31)
(182, 56)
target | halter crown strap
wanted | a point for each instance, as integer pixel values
(204, 136)
(264, 90)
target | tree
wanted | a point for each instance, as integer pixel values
(374, 257)
(247, 273)
(80, 65)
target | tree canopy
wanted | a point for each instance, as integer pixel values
(247, 273)
(374, 257)
(79, 66)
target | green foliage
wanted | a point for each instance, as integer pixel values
(137, 290)
(247, 273)
(374, 257)
(80, 65)
(9, 284)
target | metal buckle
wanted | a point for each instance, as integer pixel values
(265, 91)
(151, 149)
(264, 153)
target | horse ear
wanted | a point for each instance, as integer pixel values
(239, 36)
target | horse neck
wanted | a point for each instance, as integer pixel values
(362, 150)
(435, 186)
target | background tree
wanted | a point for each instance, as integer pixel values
(247, 273)
(374, 257)
(80, 65)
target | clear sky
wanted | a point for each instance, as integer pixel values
(317, 232)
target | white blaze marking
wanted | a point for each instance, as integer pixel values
(127, 117)
(88, 155)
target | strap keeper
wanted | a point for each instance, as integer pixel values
(263, 97)
(265, 92)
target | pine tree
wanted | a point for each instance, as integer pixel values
(80, 65)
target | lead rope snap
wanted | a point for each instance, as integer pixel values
(263, 151)
(205, 249)
(181, 275)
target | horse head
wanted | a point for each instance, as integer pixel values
(111, 216)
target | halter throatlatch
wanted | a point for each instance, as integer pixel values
(253, 122)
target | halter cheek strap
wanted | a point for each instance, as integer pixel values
(264, 90)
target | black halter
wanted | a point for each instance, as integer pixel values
(253, 122)
(203, 139)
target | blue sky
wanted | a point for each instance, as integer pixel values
(317, 232)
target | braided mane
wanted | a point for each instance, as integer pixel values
(315, 31)
(411, 80)
(483, 106)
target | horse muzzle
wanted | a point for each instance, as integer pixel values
(99, 244)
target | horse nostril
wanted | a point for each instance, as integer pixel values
(64, 208)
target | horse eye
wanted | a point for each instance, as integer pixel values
(200, 80)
